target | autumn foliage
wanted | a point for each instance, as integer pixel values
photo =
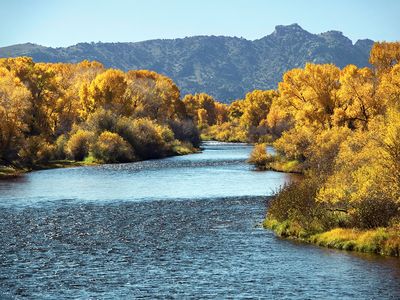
(339, 127)
(57, 111)
(345, 133)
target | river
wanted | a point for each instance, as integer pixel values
(180, 227)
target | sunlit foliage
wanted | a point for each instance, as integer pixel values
(57, 111)
(14, 106)
(343, 127)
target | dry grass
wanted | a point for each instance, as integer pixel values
(383, 241)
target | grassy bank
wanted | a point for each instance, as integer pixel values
(383, 241)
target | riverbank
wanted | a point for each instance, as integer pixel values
(9, 172)
(263, 160)
(382, 241)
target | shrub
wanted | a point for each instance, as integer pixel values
(295, 202)
(186, 131)
(150, 139)
(60, 146)
(110, 148)
(78, 144)
(101, 120)
(374, 212)
(36, 151)
(125, 128)
(259, 156)
(295, 143)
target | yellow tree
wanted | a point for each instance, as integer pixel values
(236, 109)
(194, 103)
(14, 105)
(366, 178)
(221, 112)
(384, 56)
(74, 80)
(108, 90)
(311, 94)
(155, 96)
(256, 106)
(41, 82)
(389, 88)
(202, 117)
(359, 97)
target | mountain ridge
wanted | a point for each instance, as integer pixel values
(222, 66)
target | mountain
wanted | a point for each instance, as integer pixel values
(224, 67)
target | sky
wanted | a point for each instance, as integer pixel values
(59, 23)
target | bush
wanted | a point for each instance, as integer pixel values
(125, 128)
(36, 151)
(225, 132)
(259, 156)
(295, 202)
(372, 213)
(60, 146)
(150, 139)
(111, 148)
(78, 144)
(186, 131)
(101, 120)
(295, 143)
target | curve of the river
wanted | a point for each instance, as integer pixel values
(180, 227)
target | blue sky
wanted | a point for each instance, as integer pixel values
(63, 23)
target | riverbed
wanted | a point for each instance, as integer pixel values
(180, 227)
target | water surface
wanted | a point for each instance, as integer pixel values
(181, 227)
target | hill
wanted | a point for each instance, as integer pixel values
(224, 67)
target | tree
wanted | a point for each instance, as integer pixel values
(204, 102)
(111, 148)
(366, 178)
(155, 96)
(256, 106)
(389, 88)
(359, 98)
(41, 82)
(14, 105)
(310, 95)
(108, 91)
(384, 56)
(78, 144)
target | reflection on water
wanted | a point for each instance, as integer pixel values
(181, 227)
(219, 171)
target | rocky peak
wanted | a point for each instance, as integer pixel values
(293, 29)
(336, 37)
(364, 43)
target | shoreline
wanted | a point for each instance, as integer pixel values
(383, 241)
(9, 172)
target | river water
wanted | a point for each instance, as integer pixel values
(180, 227)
